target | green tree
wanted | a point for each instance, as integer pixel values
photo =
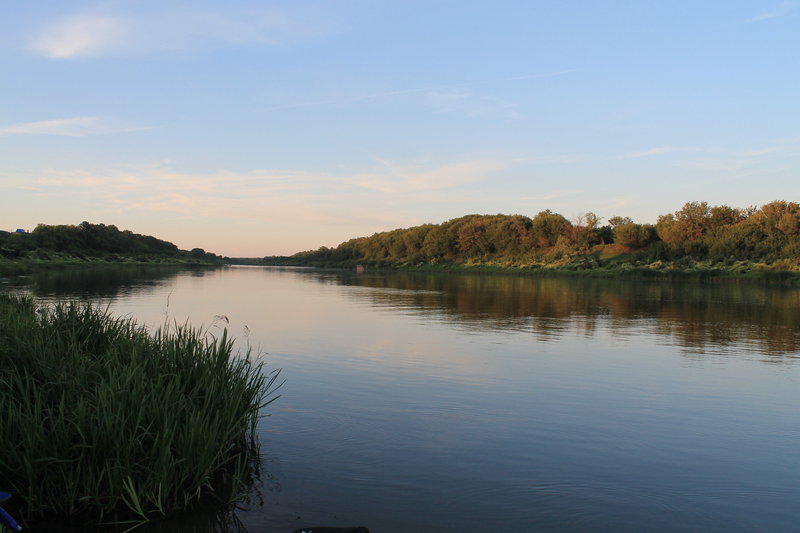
(618, 221)
(634, 235)
(684, 230)
(547, 227)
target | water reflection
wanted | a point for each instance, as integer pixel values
(517, 402)
(100, 281)
(697, 317)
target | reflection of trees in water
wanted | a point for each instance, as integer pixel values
(697, 316)
(102, 281)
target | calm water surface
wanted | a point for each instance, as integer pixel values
(462, 403)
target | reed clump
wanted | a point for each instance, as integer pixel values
(105, 421)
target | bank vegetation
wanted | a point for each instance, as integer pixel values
(89, 243)
(697, 237)
(103, 421)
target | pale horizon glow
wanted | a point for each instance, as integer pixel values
(269, 128)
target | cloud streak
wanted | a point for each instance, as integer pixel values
(68, 127)
(429, 90)
(782, 9)
(781, 146)
(101, 34)
(402, 179)
(81, 36)
(269, 194)
(664, 150)
(735, 162)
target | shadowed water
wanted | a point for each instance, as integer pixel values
(453, 403)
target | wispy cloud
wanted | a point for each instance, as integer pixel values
(68, 127)
(465, 103)
(738, 161)
(662, 150)
(273, 195)
(429, 90)
(764, 151)
(782, 9)
(257, 195)
(551, 195)
(403, 179)
(104, 33)
(780, 146)
(81, 35)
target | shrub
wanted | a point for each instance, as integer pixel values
(101, 419)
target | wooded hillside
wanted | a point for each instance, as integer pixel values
(91, 241)
(698, 231)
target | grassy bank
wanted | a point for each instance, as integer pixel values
(25, 265)
(595, 265)
(103, 421)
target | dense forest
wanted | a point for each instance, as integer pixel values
(93, 241)
(698, 232)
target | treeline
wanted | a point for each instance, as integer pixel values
(698, 231)
(88, 241)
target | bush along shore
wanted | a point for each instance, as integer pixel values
(90, 244)
(584, 267)
(697, 242)
(105, 422)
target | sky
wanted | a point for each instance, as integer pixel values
(267, 128)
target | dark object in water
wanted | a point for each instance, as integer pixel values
(6, 518)
(332, 530)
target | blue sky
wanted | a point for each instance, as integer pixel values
(261, 128)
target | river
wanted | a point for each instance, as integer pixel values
(487, 403)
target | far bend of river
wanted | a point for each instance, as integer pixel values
(465, 403)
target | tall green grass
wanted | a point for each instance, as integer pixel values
(101, 420)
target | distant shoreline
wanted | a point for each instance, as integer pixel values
(699, 242)
(698, 271)
(11, 267)
(581, 267)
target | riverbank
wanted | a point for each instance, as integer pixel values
(104, 421)
(25, 265)
(63, 245)
(591, 266)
